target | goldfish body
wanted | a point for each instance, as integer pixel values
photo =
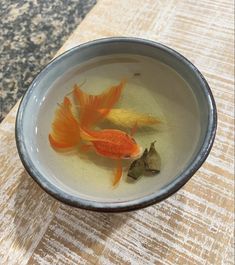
(67, 131)
(128, 118)
(111, 143)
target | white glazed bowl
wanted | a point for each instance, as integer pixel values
(33, 119)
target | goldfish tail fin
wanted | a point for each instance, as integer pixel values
(90, 104)
(65, 128)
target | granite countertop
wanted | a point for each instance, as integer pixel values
(31, 31)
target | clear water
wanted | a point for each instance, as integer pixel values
(158, 91)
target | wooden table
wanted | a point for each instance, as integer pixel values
(194, 226)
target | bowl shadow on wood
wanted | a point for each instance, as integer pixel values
(49, 228)
(36, 213)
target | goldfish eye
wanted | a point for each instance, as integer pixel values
(127, 156)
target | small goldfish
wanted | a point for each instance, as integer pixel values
(67, 131)
(129, 118)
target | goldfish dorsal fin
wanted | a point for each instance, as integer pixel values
(90, 105)
(89, 136)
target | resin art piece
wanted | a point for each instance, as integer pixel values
(75, 126)
(116, 127)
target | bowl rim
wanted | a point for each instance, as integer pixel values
(129, 205)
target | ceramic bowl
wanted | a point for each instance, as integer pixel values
(169, 85)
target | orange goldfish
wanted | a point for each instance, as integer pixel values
(67, 131)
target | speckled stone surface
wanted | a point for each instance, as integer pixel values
(31, 31)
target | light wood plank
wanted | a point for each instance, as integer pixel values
(194, 226)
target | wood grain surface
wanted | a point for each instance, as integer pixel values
(194, 226)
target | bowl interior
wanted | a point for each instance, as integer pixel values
(159, 83)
